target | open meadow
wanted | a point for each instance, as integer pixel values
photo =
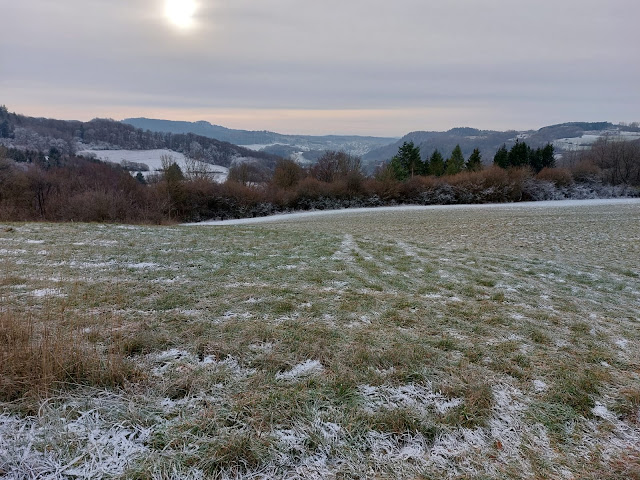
(479, 342)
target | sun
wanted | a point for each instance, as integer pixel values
(180, 12)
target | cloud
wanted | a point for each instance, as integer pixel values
(493, 58)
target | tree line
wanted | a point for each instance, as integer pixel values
(408, 162)
(57, 186)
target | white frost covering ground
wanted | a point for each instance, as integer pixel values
(181, 361)
(52, 446)
(47, 292)
(90, 436)
(413, 208)
(301, 370)
(153, 159)
(412, 396)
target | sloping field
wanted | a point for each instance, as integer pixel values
(470, 343)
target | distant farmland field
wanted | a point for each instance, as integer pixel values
(467, 342)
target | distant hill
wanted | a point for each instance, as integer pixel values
(219, 145)
(69, 136)
(375, 150)
(564, 137)
(309, 147)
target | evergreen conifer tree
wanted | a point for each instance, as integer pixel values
(501, 157)
(474, 164)
(436, 164)
(407, 163)
(455, 163)
(519, 154)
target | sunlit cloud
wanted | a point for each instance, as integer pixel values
(180, 12)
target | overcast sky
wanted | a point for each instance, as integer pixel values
(325, 66)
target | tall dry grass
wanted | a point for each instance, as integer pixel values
(41, 354)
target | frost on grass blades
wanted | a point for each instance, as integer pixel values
(443, 342)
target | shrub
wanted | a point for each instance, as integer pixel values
(560, 177)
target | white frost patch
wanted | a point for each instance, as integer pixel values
(47, 292)
(90, 446)
(346, 247)
(622, 343)
(299, 461)
(301, 370)
(539, 386)
(506, 423)
(621, 437)
(143, 265)
(432, 295)
(35, 242)
(390, 448)
(452, 451)
(169, 358)
(182, 361)
(603, 412)
(231, 364)
(287, 267)
(261, 347)
(4, 251)
(413, 396)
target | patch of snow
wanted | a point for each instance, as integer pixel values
(4, 251)
(261, 347)
(413, 396)
(47, 292)
(389, 448)
(153, 160)
(90, 446)
(143, 265)
(622, 343)
(539, 386)
(301, 370)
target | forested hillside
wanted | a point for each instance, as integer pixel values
(490, 141)
(65, 136)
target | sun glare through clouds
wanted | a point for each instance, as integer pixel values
(180, 12)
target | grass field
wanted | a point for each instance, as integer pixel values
(470, 343)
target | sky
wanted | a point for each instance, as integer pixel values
(368, 67)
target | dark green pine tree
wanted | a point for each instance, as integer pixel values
(519, 154)
(548, 156)
(542, 158)
(407, 163)
(501, 158)
(474, 164)
(455, 163)
(436, 164)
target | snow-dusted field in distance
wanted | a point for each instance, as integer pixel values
(286, 217)
(589, 138)
(256, 147)
(153, 159)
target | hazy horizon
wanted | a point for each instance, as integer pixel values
(362, 67)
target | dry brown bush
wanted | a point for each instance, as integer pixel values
(312, 188)
(560, 177)
(586, 171)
